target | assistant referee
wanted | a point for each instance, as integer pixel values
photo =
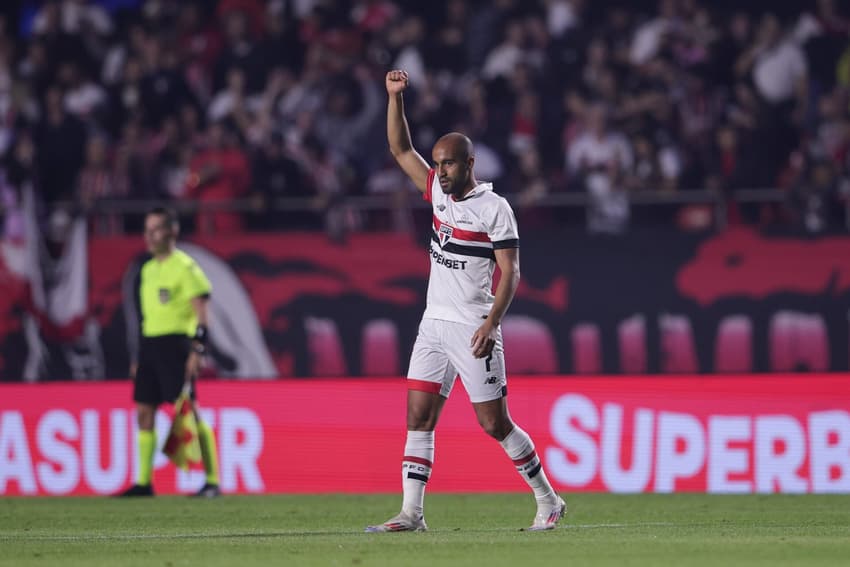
(173, 296)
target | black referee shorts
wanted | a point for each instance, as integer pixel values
(162, 369)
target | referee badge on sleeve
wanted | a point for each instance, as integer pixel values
(164, 295)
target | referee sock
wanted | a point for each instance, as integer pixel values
(147, 446)
(209, 451)
(416, 470)
(520, 449)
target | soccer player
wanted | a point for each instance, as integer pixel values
(474, 230)
(173, 296)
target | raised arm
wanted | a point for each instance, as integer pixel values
(398, 133)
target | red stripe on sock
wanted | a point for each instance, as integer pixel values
(424, 386)
(525, 459)
(418, 460)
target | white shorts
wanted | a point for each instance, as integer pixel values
(442, 352)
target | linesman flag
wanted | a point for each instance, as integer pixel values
(182, 446)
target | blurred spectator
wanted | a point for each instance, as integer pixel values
(138, 162)
(200, 43)
(815, 200)
(776, 65)
(508, 54)
(20, 161)
(35, 68)
(331, 179)
(373, 15)
(531, 186)
(251, 10)
(231, 99)
(700, 110)
(405, 41)
(485, 28)
(391, 180)
(280, 45)
(729, 49)
(176, 171)
(163, 87)
(60, 145)
(653, 169)
(651, 36)
(597, 161)
(822, 31)
(525, 126)
(447, 50)
(220, 172)
(704, 95)
(11, 212)
(240, 50)
(729, 167)
(274, 175)
(84, 98)
(595, 65)
(60, 44)
(734, 167)
(129, 44)
(350, 118)
(777, 68)
(830, 132)
(126, 96)
(562, 16)
(98, 181)
(73, 17)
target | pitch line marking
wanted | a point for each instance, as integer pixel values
(14, 536)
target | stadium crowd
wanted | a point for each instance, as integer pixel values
(139, 100)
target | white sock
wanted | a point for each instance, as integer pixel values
(416, 470)
(520, 449)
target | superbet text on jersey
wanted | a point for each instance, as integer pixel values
(465, 234)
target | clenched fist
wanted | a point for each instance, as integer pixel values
(396, 81)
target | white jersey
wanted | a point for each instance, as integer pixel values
(465, 233)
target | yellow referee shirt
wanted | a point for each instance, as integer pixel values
(166, 293)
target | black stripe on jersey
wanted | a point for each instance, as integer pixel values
(417, 476)
(510, 243)
(477, 251)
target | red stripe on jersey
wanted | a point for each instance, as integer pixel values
(460, 234)
(418, 460)
(525, 459)
(423, 386)
(430, 183)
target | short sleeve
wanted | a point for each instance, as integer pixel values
(197, 282)
(430, 185)
(503, 231)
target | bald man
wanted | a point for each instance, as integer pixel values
(474, 230)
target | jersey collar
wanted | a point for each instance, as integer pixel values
(477, 190)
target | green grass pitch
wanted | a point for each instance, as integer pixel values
(600, 529)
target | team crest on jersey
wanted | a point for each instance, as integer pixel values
(444, 234)
(164, 295)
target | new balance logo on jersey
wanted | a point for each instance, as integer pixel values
(445, 233)
(491, 380)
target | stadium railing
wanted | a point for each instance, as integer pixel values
(388, 202)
